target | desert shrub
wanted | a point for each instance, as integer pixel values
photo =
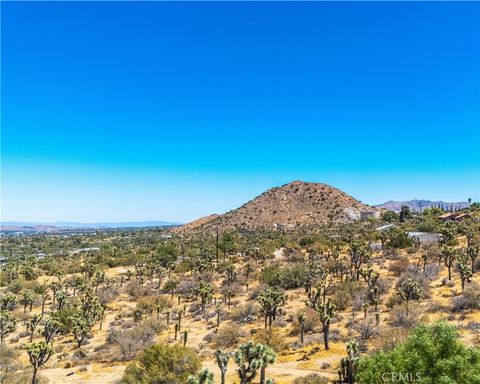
(107, 294)
(271, 276)
(244, 313)
(390, 337)
(162, 364)
(288, 277)
(366, 329)
(344, 292)
(272, 337)
(148, 304)
(312, 322)
(235, 289)
(312, 378)
(9, 361)
(469, 299)
(256, 291)
(293, 275)
(393, 300)
(187, 288)
(137, 290)
(400, 318)
(228, 336)
(397, 267)
(132, 341)
(431, 270)
(433, 352)
(423, 281)
(64, 317)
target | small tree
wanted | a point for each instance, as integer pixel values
(38, 353)
(205, 291)
(472, 252)
(301, 320)
(449, 256)
(348, 365)
(204, 377)
(222, 362)
(28, 299)
(250, 358)
(409, 290)
(32, 325)
(81, 328)
(464, 271)
(7, 325)
(270, 300)
(326, 312)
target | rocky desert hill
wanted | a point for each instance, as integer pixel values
(295, 204)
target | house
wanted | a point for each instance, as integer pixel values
(425, 237)
(454, 216)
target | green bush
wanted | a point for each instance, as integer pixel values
(432, 354)
(162, 364)
(288, 277)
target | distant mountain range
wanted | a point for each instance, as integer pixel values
(13, 225)
(418, 205)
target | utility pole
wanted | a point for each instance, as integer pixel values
(420, 204)
(216, 247)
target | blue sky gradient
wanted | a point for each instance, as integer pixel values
(169, 111)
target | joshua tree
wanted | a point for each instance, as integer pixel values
(409, 290)
(369, 276)
(7, 301)
(218, 310)
(50, 329)
(359, 255)
(464, 270)
(250, 358)
(269, 300)
(222, 362)
(449, 256)
(81, 328)
(472, 252)
(205, 291)
(62, 298)
(267, 356)
(28, 299)
(32, 325)
(231, 274)
(38, 353)
(301, 320)
(7, 325)
(365, 306)
(55, 286)
(326, 312)
(204, 377)
(348, 365)
(248, 269)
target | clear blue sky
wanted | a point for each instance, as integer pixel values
(122, 111)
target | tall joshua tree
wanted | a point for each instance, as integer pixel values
(449, 256)
(222, 362)
(409, 290)
(270, 300)
(326, 312)
(250, 358)
(39, 353)
(348, 365)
